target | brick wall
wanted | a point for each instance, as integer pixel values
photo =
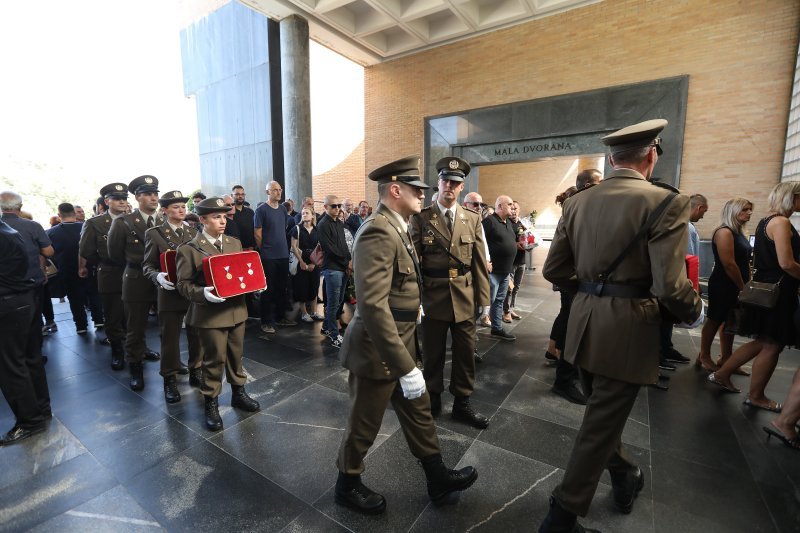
(740, 57)
(346, 180)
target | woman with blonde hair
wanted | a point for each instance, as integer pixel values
(305, 285)
(777, 246)
(731, 271)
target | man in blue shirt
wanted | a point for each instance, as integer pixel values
(270, 223)
(66, 238)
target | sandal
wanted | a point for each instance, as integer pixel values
(771, 405)
(791, 443)
(713, 379)
(700, 364)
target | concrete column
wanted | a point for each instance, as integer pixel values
(296, 103)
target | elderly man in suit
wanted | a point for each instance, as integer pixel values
(220, 321)
(379, 346)
(624, 275)
(172, 306)
(126, 249)
(449, 242)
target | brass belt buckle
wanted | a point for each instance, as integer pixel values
(453, 272)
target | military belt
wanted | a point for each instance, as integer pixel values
(461, 270)
(617, 290)
(404, 315)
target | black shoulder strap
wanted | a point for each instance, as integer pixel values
(172, 245)
(642, 231)
(427, 229)
(193, 245)
(131, 228)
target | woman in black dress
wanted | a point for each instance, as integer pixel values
(306, 281)
(731, 271)
(775, 254)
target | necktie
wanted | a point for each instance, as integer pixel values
(449, 215)
(218, 245)
(150, 222)
(179, 232)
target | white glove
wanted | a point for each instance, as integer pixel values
(413, 384)
(162, 280)
(213, 298)
(696, 323)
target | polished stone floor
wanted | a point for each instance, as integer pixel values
(115, 460)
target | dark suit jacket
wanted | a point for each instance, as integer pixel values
(375, 345)
(610, 336)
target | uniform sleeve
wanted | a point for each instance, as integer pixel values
(117, 237)
(666, 247)
(415, 230)
(373, 280)
(151, 264)
(186, 269)
(87, 246)
(480, 273)
(559, 267)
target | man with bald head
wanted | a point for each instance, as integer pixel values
(337, 266)
(502, 242)
(270, 224)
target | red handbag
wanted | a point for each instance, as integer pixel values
(234, 274)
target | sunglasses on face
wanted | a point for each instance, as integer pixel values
(337, 206)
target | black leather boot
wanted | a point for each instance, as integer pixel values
(443, 481)
(213, 420)
(151, 355)
(350, 492)
(566, 383)
(463, 412)
(626, 486)
(559, 520)
(137, 376)
(196, 377)
(171, 394)
(117, 355)
(241, 400)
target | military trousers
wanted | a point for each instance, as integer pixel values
(369, 399)
(114, 312)
(135, 342)
(598, 445)
(222, 349)
(170, 324)
(434, 345)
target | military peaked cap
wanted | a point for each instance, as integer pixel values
(172, 197)
(117, 191)
(636, 136)
(211, 205)
(452, 168)
(144, 183)
(404, 170)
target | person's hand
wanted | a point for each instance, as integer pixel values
(413, 384)
(489, 266)
(162, 280)
(213, 298)
(311, 266)
(83, 272)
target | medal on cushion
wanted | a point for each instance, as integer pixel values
(250, 269)
(227, 273)
(242, 283)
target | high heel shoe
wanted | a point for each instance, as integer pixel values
(791, 443)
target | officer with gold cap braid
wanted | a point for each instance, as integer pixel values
(623, 275)
(379, 346)
(126, 248)
(172, 306)
(93, 250)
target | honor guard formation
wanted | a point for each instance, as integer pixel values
(422, 282)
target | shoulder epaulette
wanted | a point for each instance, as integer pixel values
(470, 210)
(665, 186)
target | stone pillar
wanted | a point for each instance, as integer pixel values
(296, 103)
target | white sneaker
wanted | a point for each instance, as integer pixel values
(336, 342)
(307, 318)
(267, 328)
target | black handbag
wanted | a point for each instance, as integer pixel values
(760, 294)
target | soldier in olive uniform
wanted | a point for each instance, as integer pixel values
(126, 247)
(172, 306)
(379, 346)
(613, 329)
(93, 250)
(220, 321)
(449, 242)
